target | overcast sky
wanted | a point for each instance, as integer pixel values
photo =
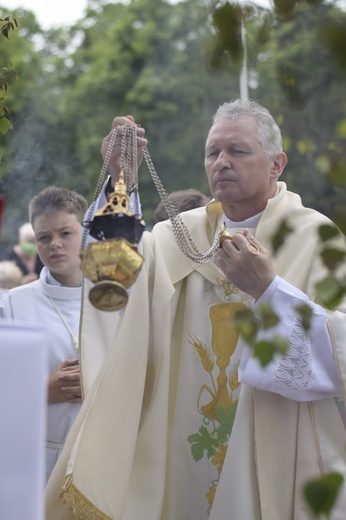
(50, 13)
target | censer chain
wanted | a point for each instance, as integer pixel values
(180, 231)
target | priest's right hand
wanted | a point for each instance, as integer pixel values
(115, 156)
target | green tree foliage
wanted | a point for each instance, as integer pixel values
(8, 24)
(22, 159)
(147, 59)
(302, 82)
(153, 59)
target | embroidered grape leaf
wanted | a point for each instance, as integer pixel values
(264, 350)
(225, 416)
(305, 314)
(320, 494)
(268, 317)
(201, 442)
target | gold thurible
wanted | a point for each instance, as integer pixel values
(113, 263)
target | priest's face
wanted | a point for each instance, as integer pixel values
(240, 175)
(58, 238)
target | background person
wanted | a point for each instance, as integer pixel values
(10, 275)
(24, 254)
(183, 200)
(54, 301)
(196, 428)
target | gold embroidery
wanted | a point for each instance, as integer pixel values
(233, 378)
(204, 355)
(218, 414)
(210, 496)
(227, 287)
(224, 341)
(219, 457)
(80, 506)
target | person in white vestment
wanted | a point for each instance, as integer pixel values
(53, 301)
(180, 420)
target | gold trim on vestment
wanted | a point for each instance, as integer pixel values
(81, 507)
(316, 439)
(336, 358)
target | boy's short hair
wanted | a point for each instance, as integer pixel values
(55, 198)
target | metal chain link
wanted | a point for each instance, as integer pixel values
(99, 184)
(180, 231)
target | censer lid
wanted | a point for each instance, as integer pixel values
(114, 220)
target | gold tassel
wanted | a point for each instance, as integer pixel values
(81, 507)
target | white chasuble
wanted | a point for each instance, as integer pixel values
(151, 438)
(204, 393)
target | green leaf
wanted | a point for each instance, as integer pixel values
(245, 322)
(5, 125)
(341, 129)
(285, 7)
(332, 33)
(201, 442)
(268, 317)
(327, 232)
(329, 292)
(227, 21)
(337, 174)
(332, 257)
(264, 351)
(321, 494)
(280, 236)
(305, 312)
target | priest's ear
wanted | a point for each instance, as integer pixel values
(278, 165)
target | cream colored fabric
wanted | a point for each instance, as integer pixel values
(276, 443)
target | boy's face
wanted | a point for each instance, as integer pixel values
(58, 238)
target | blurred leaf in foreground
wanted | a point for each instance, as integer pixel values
(264, 351)
(245, 322)
(305, 312)
(320, 494)
(330, 292)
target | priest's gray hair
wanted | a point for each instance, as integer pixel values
(268, 132)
